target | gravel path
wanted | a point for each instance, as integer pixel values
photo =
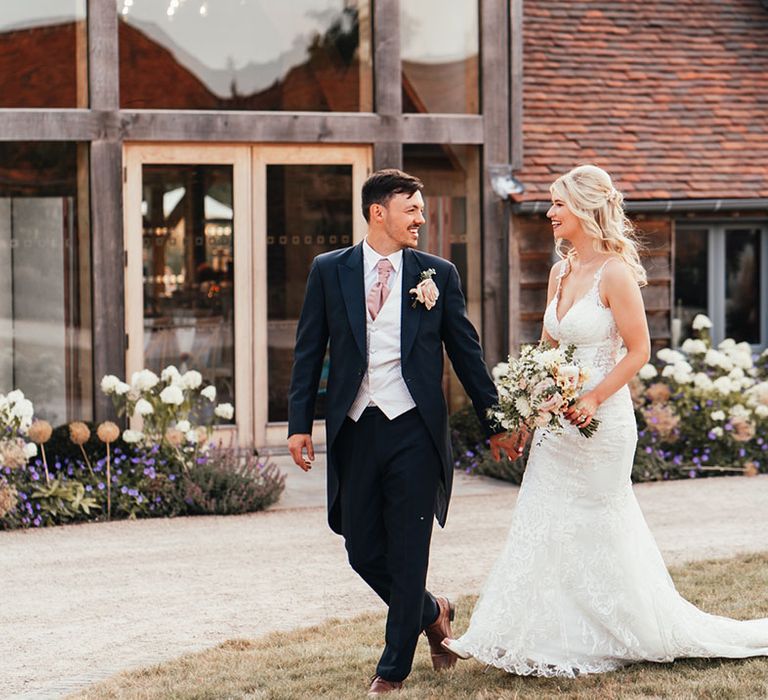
(83, 602)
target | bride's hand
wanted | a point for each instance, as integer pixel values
(583, 410)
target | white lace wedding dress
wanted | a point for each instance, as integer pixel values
(581, 586)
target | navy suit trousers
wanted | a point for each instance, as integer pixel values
(389, 475)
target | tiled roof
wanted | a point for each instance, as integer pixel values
(669, 96)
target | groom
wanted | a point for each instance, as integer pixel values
(388, 310)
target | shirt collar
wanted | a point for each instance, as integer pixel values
(371, 257)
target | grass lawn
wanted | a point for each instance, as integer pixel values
(336, 659)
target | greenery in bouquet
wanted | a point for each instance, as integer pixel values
(702, 411)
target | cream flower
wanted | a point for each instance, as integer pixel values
(648, 371)
(172, 395)
(143, 380)
(108, 383)
(192, 379)
(224, 410)
(694, 346)
(522, 406)
(426, 292)
(209, 392)
(717, 415)
(701, 322)
(183, 426)
(144, 408)
(133, 436)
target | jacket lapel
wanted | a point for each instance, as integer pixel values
(410, 317)
(353, 291)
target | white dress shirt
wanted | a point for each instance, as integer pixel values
(383, 385)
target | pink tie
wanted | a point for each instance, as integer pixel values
(379, 292)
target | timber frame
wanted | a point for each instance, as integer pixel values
(106, 127)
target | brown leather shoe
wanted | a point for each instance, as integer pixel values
(437, 632)
(380, 686)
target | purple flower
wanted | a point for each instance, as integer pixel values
(692, 474)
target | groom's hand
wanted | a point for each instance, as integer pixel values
(511, 445)
(297, 443)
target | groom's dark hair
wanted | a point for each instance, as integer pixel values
(380, 187)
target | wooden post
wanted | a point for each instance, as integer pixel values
(388, 92)
(108, 340)
(494, 23)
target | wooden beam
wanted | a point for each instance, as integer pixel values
(500, 258)
(387, 155)
(249, 127)
(108, 268)
(56, 125)
(103, 55)
(516, 81)
(442, 128)
(388, 91)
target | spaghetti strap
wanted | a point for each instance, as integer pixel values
(599, 273)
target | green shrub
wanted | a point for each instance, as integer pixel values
(231, 481)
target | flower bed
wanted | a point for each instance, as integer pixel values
(701, 411)
(81, 472)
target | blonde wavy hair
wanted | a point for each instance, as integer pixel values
(589, 193)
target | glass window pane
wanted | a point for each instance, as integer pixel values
(188, 272)
(309, 211)
(246, 54)
(440, 56)
(691, 277)
(742, 285)
(43, 53)
(451, 177)
(45, 291)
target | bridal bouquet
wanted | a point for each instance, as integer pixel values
(538, 387)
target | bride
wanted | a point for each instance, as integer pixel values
(581, 586)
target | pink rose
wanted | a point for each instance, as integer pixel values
(553, 403)
(426, 292)
(542, 420)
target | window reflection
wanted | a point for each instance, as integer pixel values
(440, 56)
(691, 277)
(246, 54)
(43, 53)
(45, 291)
(309, 211)
(188, 271)
(742, 285)
(451, 177)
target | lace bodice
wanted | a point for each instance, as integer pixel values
(589, 325)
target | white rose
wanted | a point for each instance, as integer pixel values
(30, 450)
(209, 392)
(736, 373)
(23, 409)
(694, 346)
(739, 411)
(143, 380)
(132, 436)
(500, 370)
(15, 396)
(172, 395)
(702, 381)
(192, 379)
(761, 411)
(742, 360)
(717, 415)
(648, 372)
(108, 383)
(122, 388)
(701, 321)
(717, 431)
(682, 377)
(668, 371)
(183, 426)
(169, 374)
(683, 366)
(191, 436)
(224, 410)
(727, 344)
(724, 385)
(714, 358)
(669, 356)
(144, 408)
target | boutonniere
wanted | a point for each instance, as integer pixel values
(426, 290)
